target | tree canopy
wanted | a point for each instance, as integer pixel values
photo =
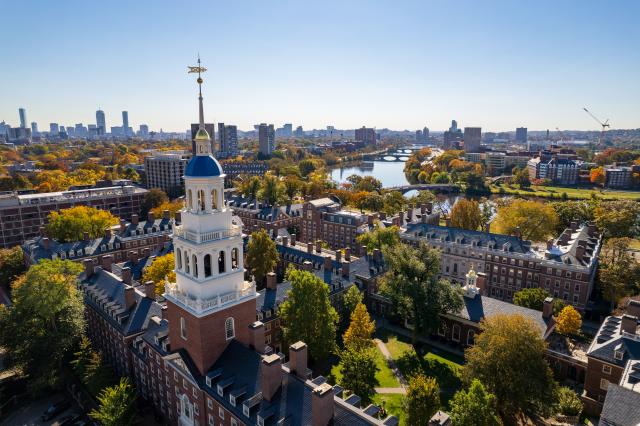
(616, 219)
(358, 335)
(153, 199)
(117, 405)
(536, 221)
(71, 224)
(466, 214)
(11, 265)
(379, 237)
(532, 298)
(162, 267)
(358, 368)
(569, 321)
(474, 406)
(619, 272)
(262, 255)
(422, 400)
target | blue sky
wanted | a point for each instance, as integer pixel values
(396, 64)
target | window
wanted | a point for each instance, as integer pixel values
(183, 329)
(618, 355)
(179, 258)
(214, 199)
(210, 403)
(229, 328)
(471, 337)
(194, 259)
(187, 267)
(606, 369)
(190, 199)
(221, 413)
(234, 258)
(234, 422)
(604, 384)
(211, 421)
(455, 333)
(201, 206)
(207, 265)
(221, 262)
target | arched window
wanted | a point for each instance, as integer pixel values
(471, 337)
(207, 265)
(221, 262)
(179, 258)
(229, 329)
(187, 267)
(234, 258)
(214, 199)
(194, 259)
(455, 333)
(201, 205)
(190, 199)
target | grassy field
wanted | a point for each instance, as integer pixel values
(392, 403)
(385, 376)
(572, 193)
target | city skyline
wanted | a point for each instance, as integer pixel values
(497, 66)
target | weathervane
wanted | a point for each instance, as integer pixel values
(199, 69)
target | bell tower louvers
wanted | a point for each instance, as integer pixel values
(209, 267)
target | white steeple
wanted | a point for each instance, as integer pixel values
(208, 246)
(470, 289)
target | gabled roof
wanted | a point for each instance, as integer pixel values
(621, 407)
(609, 339)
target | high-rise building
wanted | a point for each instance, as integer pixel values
(472, 137)
(288, 130)
(366, 135)
(425, 134)
(228, 140)
(454, 126)
(299, 132)
(521, 134)
(210, 128)
(23, 117)
(34, 128)
(418, 136)
(266, 138)
(144, 131)
(165, 170)
(54, 129)
(125, 123)
(101, 123)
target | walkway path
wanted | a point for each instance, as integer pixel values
(392, 365)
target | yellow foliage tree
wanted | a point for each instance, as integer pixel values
(569, 321)
(358, 335)
(172, 206)
(163, 266)
(70, 224)
(536, 221)
(466, 214)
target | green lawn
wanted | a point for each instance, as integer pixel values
(385, 376)
(392, 403)
(572, 193)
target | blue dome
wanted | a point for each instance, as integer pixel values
(203, 166)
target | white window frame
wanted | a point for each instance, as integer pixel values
(604, 384)
(606, 369)
(228, 321)
(183, 328)
(221, 413)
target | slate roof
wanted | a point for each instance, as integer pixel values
(621, 407)
(609, 339)
(203, 166)
(565, 252)
(263, 211)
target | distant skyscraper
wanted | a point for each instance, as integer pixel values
(266, 138)
(144, 130)
(34, 128)
(366, 135)
(299, 132)
(101, 123)
(418, 136)
(125, 122)
(54, 129)
(472, 137)
(454, 126)
(425, 134)
(228, 140)
(521, 134)
(23, 118)
(288, 130)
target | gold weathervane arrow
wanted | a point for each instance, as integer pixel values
(197, 69)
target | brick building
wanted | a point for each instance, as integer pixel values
(256, 215)
(323, 219)
(233, 169)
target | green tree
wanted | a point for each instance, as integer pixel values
(117, 405)
(394, 202)
(272, 191)
(466, 214)
(422, 197)
(569, 211)
(536, 221)
(292, 186)
(474, 183)
(411, 283)
(619, 218)
(358, 369)
(306, 167)
(619, 272)
(521, 178)
(71, 224)
(532, 298)
(379, 237)
(11, 265)
(162, 267)
(372, 202)
(45, 320)
(474, 407)
(307, 314)
(352, 297)
(262, 255)
(153, 199)
(422, 400)
(248, 186)
(90, 369)
(508, 358)
(568, 403)
(361, 328)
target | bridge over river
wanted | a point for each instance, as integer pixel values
(436, 187)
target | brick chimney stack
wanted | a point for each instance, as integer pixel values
(134, 219)
(123, 226)
(129, 296)
(347, 254)
(178, 217)
(298, 359)
(271, 375)
(166, 214)
(106, 262)
(345, 269)
(293, 239)
(307, 266)
(629, 324)
(257, 336)
(547, 308)
(272, 281)
(285, 241)
(151, 217)
(318, 246)
(107, 234)
(88, 267)
(633, 308)
(328, 263)
(45, 243)
(85, 236)
(322, 405)
(309, 247)
(126, 275)
(150, 290)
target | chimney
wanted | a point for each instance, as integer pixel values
(309, 248)
(45, 243)
(85, 236)
(633, 308)
(547, 308)
(377, 255)
(126, 275)
(151, 217)
(574, 225)
(150, 290)
(43, 231)
(410, 214)
(370, 220)
(134, 219)
(178, 217)
(88, 267)
(363, 251)
(629, 324)
(345, 268)
(319, 246)
(591, 229)
(271, 375)
(107, 234)
(517, 233)
(285, 241)
(395, 221)
(133, 256)
(123, 226)
(307, 266)
(328, 263)
(338, 256)
(272, 281)
(129, 297)
(423, 209)
(298, 359)
(257, 336)
(382, 216)
(107, 260)
(481, 283)
(401, 217)
(293, 239)
(423, 218)
(347, 254)
(166, 214)
(429, 206)
(322, 405)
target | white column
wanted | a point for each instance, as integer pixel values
(240, 258)
(214, 262)
(200, 266)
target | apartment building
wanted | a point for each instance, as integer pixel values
(165, 171)
(323, 219)
(256, 215)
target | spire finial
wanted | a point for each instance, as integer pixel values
(199, 69)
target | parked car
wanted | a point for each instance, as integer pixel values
(55, 409)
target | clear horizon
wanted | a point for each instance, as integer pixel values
(398, 65)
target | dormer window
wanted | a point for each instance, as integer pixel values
(232, 400)
(245, 410)
(618, 354)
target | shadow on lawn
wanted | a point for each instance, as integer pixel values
(447, 376)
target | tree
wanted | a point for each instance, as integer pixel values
(292, 186)
(474, 182)
(536, 221)
(422, 400)
(466, 214)
(569, 321)
(358, 335)
(352, 298)
(569, 211)
(372, 201)
(521, 178)
(90, 369)
(597, 176)
(11, 265)
(162, 267)
(45, 320)
(306, 167)
(172, 206)
(152, 199)
(307, 314)
(272, 191)
(422, 197)
(379, 237)
(117, 405)
(532, 298)
(394, 202)
(620, 218)
(567, 402)
(619, 272)
(71, 224)
(474, 407)
(411, 283)
(262, 255)
(249, 186)
(358, 368)
(508, 358)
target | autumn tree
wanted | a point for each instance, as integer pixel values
(372, 201)
(45, 320)
(536, 221)
(358, 335)
(422, 400)
(11, 265)
(71, 224)
(521, 178)
(412, 286)
(262, 255)
(152, 199)
(116, 405)
(474, 406)
(162, 267)
(532, 298)
(249, 186)
(597, 176)
(619, 272)
(352, 298)
(272, 191)
(620, 218)
(306, 167)
(466, 214)
(358, 368)
(508, 358)
(393, 202)
(172, 206)
(379, 237)
(569, 321)
(90, 369)
(292, 186)
(580, 211)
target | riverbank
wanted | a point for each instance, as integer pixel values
(557, 192)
